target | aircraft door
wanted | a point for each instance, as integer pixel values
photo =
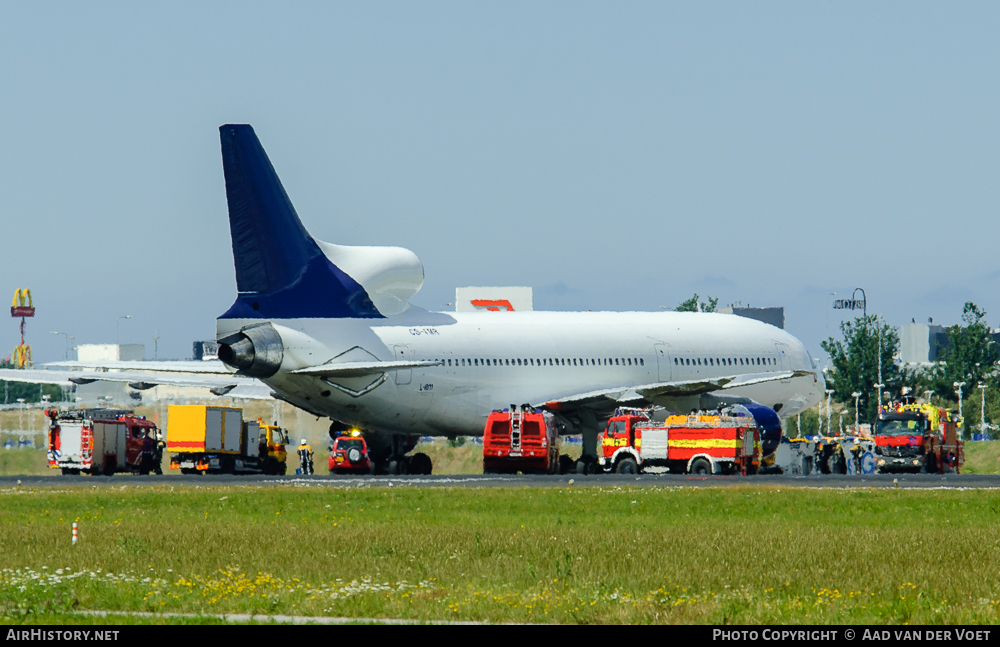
(663, 362)
(783, 357)
(403, 375)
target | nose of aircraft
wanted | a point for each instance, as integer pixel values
(810, 389)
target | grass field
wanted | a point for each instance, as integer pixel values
(579, 555)
(982, 458)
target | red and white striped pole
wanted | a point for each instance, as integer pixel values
(74, 533)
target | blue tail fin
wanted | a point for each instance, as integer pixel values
(281, 273)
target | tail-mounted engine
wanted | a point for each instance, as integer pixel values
(256, 351)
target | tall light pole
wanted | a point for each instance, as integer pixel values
(961, 419)
(68, 337)
(880, 385)
(118, 325)
(857, 424)
(829, 397)
(156, 338)
(982, 412)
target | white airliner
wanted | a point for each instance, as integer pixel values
(329, 329)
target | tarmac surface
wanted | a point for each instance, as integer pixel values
(903, 481)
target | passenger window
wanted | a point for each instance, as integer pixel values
(642, 362)
(675, 360)
(630, 361)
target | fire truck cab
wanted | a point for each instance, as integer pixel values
(917, 438)
(520, 439)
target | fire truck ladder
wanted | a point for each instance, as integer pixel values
(516, 416)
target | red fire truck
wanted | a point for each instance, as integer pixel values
(102, 441)
(917, 438)
(695, 444)
(520, 439)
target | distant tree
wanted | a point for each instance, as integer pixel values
(692, 305)
(810, 424)
(11, 391)
(855, 363)
(970, 357)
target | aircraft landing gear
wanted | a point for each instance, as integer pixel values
(588, 459)
(389, 454)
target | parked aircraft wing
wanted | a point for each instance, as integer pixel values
(191, 366)
(608, 399)
(35, 376)
(350, 369)
(141, 380)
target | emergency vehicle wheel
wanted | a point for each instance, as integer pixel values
(701, 467)
(109, 466)
(566, 464)
(420, 463)
(626, 465)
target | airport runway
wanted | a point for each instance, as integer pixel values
(950, 481)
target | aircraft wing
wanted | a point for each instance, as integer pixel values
(199, 367)
(218, 383)
(608, 399)
(354, 369)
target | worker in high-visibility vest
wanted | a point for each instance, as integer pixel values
(305, 458)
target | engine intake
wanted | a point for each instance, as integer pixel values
(256, 351)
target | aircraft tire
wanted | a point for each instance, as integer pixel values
(420, 463)
(626, 465)
(586, 465)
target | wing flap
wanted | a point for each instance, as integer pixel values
(356, 369)
(646, 393)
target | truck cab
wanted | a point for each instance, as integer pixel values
(620, 432)
(271, 451)
(916, 438)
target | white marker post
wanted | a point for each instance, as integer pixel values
(74, 533)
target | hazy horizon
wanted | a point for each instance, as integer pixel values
(612, 157)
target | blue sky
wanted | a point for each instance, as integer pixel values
(610, 155)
